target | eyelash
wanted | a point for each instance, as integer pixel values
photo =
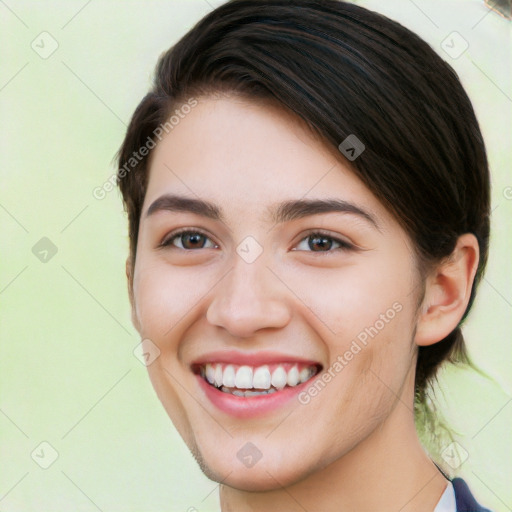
(343, 245)
(167, 241)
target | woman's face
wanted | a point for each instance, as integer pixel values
(295, 290)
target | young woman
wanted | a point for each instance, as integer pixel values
(308, 200)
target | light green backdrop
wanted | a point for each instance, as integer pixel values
(68, 375)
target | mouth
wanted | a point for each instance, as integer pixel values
(252, 381)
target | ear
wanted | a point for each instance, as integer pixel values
(129, 278)
(447, 292)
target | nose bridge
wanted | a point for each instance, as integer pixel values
(246, 281)
(249, 298)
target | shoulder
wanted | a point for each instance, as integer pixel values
(464, 499)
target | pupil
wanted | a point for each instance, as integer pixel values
(321, 242)
(193, 239)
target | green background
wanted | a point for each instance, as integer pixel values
(68, 375)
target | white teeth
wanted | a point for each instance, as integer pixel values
(293, 377)
(248, 393)
(305, 374)
(255, 393)
(210, 373)
(279, 378)
(243, 379)
(254, 381)
(261, 378)
(218, 375)
(228, 378)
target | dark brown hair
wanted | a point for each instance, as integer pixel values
(344, 70)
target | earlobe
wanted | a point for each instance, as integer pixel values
(447, 292)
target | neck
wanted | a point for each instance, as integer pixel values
(387, 471)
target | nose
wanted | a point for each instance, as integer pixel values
(248, 299)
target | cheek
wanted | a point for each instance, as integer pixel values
(361, 385)
(347, 301)
(164, 300)
(364, 318)
(165, 296)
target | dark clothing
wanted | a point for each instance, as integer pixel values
(464, 499)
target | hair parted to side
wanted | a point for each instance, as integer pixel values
(344, 70)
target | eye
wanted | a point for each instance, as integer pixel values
(322, 242)
(188, 240)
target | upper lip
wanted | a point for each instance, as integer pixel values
(250, 359)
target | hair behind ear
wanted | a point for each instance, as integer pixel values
(431, 426)
(431, 357)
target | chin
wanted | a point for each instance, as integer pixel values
(259, 480)
(262, 476)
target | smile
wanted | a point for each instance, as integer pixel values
(248, 381)
(246, 385)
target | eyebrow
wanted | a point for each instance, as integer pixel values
(282, 212)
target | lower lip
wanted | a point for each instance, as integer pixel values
(247, 407)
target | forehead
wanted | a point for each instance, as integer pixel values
(247, 156)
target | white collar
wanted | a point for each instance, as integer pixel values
(447, 501)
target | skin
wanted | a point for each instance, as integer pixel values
(312, 303)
